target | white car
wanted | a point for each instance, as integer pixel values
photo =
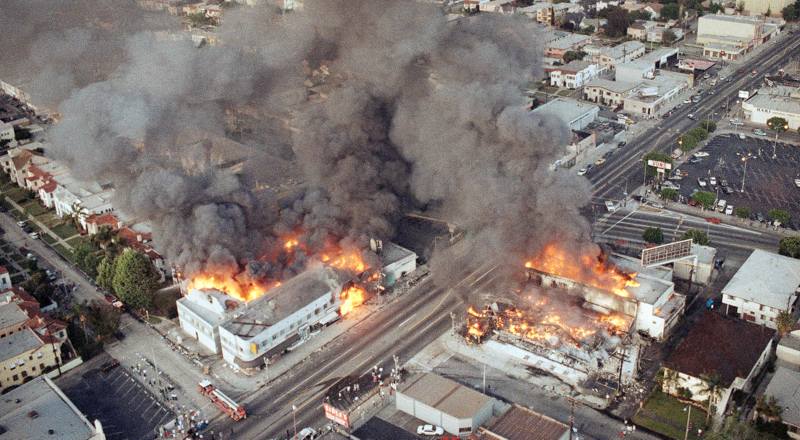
(429, 430)
(712, 180)
(736, 122)
(797, 183)
(702, 182)
(34, 235)
(687, 101)
(582, 171)
(729, 210)
(701, 154)
(742, 136)
(760, 132)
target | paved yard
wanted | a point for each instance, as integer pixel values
(123, 405)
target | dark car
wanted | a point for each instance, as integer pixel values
(621, 144)
(727, 190)
(760, 217)
(3, 208)
(608, 154)
(110, 365)
(696, 160)
(27, 229)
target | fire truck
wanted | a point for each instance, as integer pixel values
(224, 402)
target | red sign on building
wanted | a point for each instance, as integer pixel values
(337, 416)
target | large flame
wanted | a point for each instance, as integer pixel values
(587, 269)
(351, 298)
(351, 261)
(228, 285)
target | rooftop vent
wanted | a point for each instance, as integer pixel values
(33, 414)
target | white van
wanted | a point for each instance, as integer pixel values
(721, 204)
(677, 153)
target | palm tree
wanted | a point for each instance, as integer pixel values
(79, 311)
(784, 321)
(712, 384)
(78, 213)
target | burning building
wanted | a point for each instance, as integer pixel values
(248, 326)
(580, 322)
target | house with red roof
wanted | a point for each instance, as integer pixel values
(731, 348)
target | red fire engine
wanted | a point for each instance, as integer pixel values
(224, 402)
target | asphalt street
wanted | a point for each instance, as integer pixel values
(625, 170)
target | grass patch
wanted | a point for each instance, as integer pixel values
(49, 239)
(16, 213)
(35, 209)
(64, 230)
(3, 262)
(18, 195)
(76, 241)
(17, 257)
(563, 92)
(671, 409)
(154, 320)
(63, 251)
(16, 279)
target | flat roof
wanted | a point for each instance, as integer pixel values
(568, 41)
(567, 110)
(393, 253)
(766, 278)
(294, 294)
(520, 423)
(614, 86)
(445, 395)
(653, 281)
(35, 408)
(18, 343)
(732, 18)
(623, 49)
(727, 346)
(775, 102)
(11, 314)
(785, 387)
(705, 254)
(699, 64)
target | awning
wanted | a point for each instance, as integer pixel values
(329, 318)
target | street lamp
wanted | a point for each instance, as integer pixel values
(776, 130)
(744, 172)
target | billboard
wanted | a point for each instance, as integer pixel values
(650, 91)
(659, 164)
(667, 253)
(337, 416)
(744, 94)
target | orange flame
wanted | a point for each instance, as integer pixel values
(351, 298)
(229, 286)
(351, 261)
(588, 269)
(290, 244)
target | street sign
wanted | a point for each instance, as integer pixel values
(666, 253)
(659, 164)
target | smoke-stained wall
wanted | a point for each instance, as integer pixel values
(428, 114)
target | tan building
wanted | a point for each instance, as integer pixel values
(540, 12)
(737, 30)
(25, 354)
(775, 7)
(611, 57)
(607, 92)
(572, 42)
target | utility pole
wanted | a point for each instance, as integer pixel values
(688, 418)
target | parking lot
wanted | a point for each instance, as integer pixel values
(768, 183)
(122, 404)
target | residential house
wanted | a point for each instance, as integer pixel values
(7, 134)
(595, 23)
(85, 197)
(561, 10)
(732, 349)
(638, 30)
(654, 9)
(602, 4)
(541, 12)
(764, 286)
(498, 6)
(574, 74)
(17, 161)
(785, 388)
(788, 350)
(5, 278)
(760, 7)
(571, 42)
(610, 57)
(25, 354)
(94, 222)
(607, 92)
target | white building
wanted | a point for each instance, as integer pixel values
(610, 57)
(652, 95)
(574, 74)
(398, 262)
(442, 402)
(769, 102)
(608, 92)
(7, 133)
(40, 410)
(736, 30)
(575, 114)
(699, 267)
(735, 350)
(764, 286)
(788, 350)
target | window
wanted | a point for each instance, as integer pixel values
(24, 374)
(274, 337)
(33, 368)
(30, 358)
(15, 378)
(41, 366)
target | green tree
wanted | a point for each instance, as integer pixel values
(39, 286)
(768, 406)
(686, 142)
(740, 6)
(698, 237)
(653, 235)
(104, 319)
(668, 36)
(777, 125)
(769, 11)
(670, 11)
(657, 156)
(669, 194)
(617, 21)
(780, 215)
(79, 311)
(789, 13)
(135, 279)
(22, 134)
(638, 15)
(712, 384)
(784, 321)
(77, 214)
(705, 199)
(734, 427)
(743, 212)
(708, 125)
(198, 19)
(572, 55)
(789, 246)
(105, 274)
(699, 133)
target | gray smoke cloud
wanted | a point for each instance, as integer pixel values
(422, 113)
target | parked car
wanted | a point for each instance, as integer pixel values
(307, 434)
(701, 154)
(760, 132)
(797, 183)
(702, 182)
(760, 217)
(712, 180)
(582, 171)
(429, 430)
(589, 167)
(727, 190)
(600, 161)
(27, 229)
(693, 117)
(34, 235)
(742, 136)
(608, 154)
(696, 160)
(671, 185)
(621, 144)
(736, 122)
(729, 210)
(716, 221)
(21, 223)
(110, 365)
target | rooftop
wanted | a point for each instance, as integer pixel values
(567, 42)
(520, 423)
(728, 346)
(574, 66)
(393, 253)
(621, 50)
(775, 103)
(282, 301)
(653, 281)
(11, 314)
(18, 343)
(732, 18)
(38, 407)
(614, 86)
(766, 278)
(567, 110)
(445, 395)
(785, 387)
